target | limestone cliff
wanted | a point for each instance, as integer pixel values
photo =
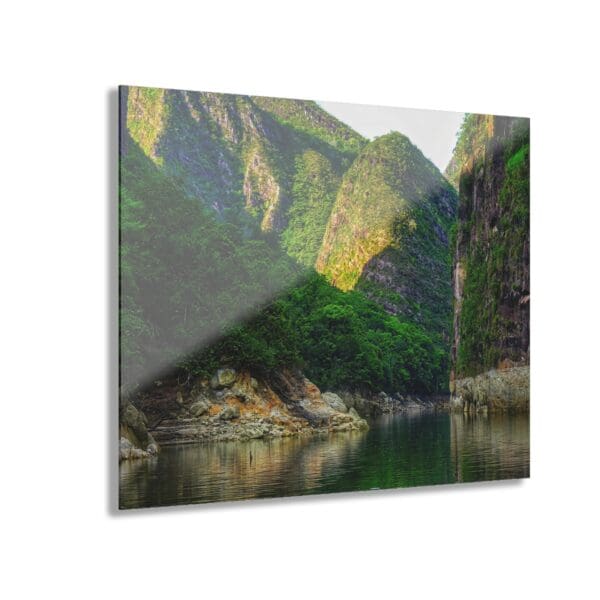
(490, 351)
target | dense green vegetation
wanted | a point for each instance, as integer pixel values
(187, 280)
(348, 341)
(183, 273)
(313, 193)
(493, 244)
(341, 340)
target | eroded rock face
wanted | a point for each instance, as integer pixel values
(375, 405)
(237, 406)
(490, 350)
(135, 439)
(229, 412)
(505, 390)
(334, 401)
(199, 408)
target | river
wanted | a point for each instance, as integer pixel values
(422, 448)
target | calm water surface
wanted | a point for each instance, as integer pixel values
(398, 451)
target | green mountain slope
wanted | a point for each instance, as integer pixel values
(197, 293)
(246, 157)
(229, 197)
(388, 233)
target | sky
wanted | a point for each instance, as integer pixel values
(433, 131)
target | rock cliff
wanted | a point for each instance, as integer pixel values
(490, 351)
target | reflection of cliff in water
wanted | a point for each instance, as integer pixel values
(410, 449)
(487, 447)
(235, 470)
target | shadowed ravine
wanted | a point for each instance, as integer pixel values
(424, 448)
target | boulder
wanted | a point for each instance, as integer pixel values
(359, 422)
(495, 390)
(334, 401)
(125, 448)
(199, 408)
(128, 451)
(135, 441)
(223, 378)
(229, 412)
(134, 421)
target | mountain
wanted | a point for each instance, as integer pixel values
(227, 205)
(308, 117)
(249, 159)
(388, 233)
(183, 272)
(490, 352)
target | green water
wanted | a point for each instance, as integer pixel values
(398, 451)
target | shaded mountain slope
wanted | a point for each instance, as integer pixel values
(388, 233)
(183, 272)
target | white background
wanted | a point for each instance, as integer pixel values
(59, 535)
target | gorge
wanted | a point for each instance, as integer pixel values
(281, 276)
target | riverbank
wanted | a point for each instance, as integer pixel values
(416, 447)
(236, 406)
(375, 405)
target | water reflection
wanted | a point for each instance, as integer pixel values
(490, 447)
(398, 451)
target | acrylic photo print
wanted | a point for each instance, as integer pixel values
(318, 297)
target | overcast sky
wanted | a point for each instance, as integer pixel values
(433, 131)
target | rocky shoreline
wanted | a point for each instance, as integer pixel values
(384, 404)
(235, 406)
(135, 441)
(492, 391)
